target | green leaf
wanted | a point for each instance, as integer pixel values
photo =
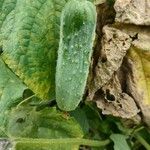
(27, 122)
(77, 32)
(30, 36)
(120, 142)
(93, 116)
(11, 91)
(47, 123)
(11, 88)
(6, 13)
(80, 116)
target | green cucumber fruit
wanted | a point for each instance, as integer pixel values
(77, 33)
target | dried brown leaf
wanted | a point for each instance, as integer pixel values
(113, 101)
(133, 11)
(115, 44)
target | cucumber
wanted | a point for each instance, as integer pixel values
(77, 34)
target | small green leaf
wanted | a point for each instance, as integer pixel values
(81, 118)
(120, 142)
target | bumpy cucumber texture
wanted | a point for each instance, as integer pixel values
(78, 22)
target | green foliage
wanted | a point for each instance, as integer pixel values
(78, 22)
(11, 88)
(80, 115)
(30, 37)
(120, 142)
(101, 127)
(28, 122)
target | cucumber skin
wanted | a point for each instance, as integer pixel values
(77, 33)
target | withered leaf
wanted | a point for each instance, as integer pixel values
(113, 101)
(133, 11)
(138, 67)
(139, 79)
(115, 44)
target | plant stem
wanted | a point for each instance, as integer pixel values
(74, 141)
(25, 100)
(137, 130)
(142, 141)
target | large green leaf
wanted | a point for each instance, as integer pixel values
(47, 129)
(27, 122)
(30, 33)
